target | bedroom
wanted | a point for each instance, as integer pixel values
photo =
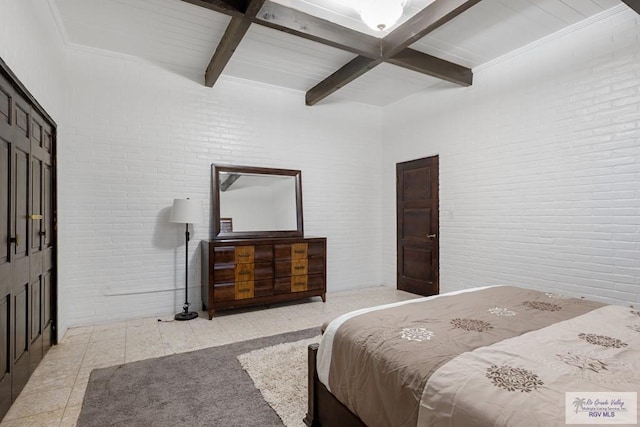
(539, 166)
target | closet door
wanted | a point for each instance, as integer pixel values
(20, 248)
(27, 236)
(46, 240)
(36, 241)
(6, 96)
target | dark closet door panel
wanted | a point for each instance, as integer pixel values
(5, 354)
(35, 324)
(21, 227)
(48, 139)
(5, 194)
(36, 205)
(36, 310)
(47, 312)
(21, 340)
(20, 321)
(47, 208)
(6, 101)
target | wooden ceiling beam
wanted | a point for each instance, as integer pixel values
(432, 66)
(349, 72)
(232, 37)
(297, 23)
(633, 4)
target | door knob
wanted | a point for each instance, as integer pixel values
(431, 236)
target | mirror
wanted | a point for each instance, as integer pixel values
(256, 202)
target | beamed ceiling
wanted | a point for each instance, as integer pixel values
(320, 46)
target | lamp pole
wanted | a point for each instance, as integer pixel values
(186, 211)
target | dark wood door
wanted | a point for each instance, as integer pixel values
(6, 97)
(20, 249)
(27, 236)
(417, 232)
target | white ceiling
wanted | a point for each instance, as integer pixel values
(182, 38)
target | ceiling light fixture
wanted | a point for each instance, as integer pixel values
(380, 15)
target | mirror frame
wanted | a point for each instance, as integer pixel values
(215, 206)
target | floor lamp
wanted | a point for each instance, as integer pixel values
(186, 211)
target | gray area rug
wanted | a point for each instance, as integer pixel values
(283, 385)
(201, 388)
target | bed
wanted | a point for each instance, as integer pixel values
(492, 356)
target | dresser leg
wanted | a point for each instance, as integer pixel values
(211, 312)
(324, 297)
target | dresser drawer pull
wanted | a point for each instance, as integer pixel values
(299, 251)
(300, 267)
(243, 255)
(245, 272)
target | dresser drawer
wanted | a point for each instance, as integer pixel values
(263, 288)
(315, 281)
(315, 266)
(290, 251)
(224, 292)
(223, 255)
(282, 285)
(315, 250)
(299, 283)
(298, 267)
(244, 290)
(244, 254)
(263, 253)
(285, 285)
(242, 272)
(224, 273)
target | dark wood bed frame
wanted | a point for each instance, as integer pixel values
(324, 409)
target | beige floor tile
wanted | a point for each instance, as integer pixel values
(70, 417)
(61, 379)
(47, 419)
(39, 403)
(80, 330)
(77, 393)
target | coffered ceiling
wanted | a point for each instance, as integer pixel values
(321, 47)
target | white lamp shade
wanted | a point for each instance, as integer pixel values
(186, 211)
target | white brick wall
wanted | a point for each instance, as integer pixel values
(539, 167)
(31, 46)
(138, 136)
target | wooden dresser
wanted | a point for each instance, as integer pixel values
(244, 272)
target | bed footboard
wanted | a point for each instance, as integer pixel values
(324, 409)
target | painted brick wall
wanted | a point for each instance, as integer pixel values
(31, 46)
(138, 136)
(539, 167)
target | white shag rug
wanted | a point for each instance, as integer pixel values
(280, 373)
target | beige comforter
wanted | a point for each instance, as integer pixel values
(415, 364)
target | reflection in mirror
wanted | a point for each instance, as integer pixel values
(255, 202)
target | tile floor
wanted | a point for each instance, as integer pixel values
(61, 379)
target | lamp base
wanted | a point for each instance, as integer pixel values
(186, 315)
